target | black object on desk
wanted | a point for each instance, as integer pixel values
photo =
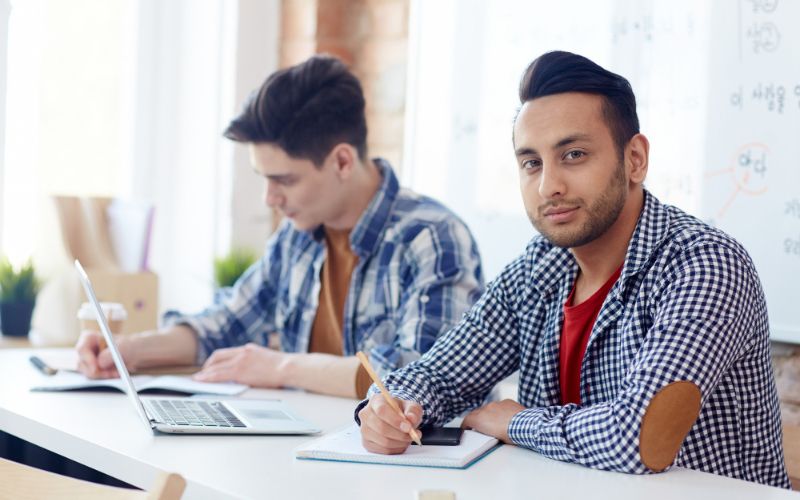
(441, 436)
(42, 366)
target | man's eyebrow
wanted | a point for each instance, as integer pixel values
(570, 139)
(523, 151)
(278, 177)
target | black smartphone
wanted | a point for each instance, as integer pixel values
(441, 436)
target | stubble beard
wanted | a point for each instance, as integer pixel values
(602, 214)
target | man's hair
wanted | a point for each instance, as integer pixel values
(559, 72)
(305, 110)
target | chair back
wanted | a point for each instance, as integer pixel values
(21, 482)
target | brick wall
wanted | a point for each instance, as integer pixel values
(786, 361)
(298, 31)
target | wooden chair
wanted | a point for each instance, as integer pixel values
(21, 482)
(791, 452)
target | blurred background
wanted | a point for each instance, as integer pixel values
(127, 100)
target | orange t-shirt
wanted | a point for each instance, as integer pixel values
(327, 329)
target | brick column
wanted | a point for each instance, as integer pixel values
(371, 36)
(380, 62)
(298, 31)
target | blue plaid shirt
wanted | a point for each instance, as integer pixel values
(418, 271)
(688, 306)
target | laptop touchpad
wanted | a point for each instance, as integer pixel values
(264, 414)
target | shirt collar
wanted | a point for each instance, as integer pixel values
(651, 230)
(368, 231)
(549, 265)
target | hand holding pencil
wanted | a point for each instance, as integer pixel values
(387, 424)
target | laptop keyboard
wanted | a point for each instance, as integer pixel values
(197, 413)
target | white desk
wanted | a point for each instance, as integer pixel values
(102, 431)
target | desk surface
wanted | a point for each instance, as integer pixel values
(7, 342)
(102, 430)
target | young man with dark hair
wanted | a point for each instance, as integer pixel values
(640, 333)
(357, 264)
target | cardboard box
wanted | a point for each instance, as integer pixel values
(138, 292)
(85, 232)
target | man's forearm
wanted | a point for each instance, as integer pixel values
(175, 346)
(322, 373)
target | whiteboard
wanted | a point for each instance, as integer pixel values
(751, 184)
(718, 92)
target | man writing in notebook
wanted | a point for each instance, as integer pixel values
(357, 264)
(640, 333)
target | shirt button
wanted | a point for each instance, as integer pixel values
(424, 299)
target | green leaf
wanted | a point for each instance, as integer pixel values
(18, 285)
(227, 269)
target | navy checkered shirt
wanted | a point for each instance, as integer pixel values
(418, 271)
(688, 306)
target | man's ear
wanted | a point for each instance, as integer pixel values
(344, 158)
(637, 154)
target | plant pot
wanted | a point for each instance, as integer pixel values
(15, 318)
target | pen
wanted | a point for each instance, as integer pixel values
(375, 378)
(42, 366)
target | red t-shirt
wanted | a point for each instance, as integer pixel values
(578, 322)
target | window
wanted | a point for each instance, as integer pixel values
(128, 99)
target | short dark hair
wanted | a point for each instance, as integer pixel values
(559, 72)
(305, 110)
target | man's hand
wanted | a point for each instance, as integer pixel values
(94, 359)
(250, 364)
(493, 419)
(383, 430)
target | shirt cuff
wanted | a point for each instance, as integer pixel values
(363, 381)
(174, 318)
(522, 428)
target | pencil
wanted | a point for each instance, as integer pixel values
(101, 343)
(42, 366)
(375, 378)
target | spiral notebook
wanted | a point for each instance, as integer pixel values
(345, 446)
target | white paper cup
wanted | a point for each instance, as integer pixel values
(114, 312)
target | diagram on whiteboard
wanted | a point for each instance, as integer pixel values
(748, 173)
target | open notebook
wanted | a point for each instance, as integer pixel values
(70, 381)
(345, 446)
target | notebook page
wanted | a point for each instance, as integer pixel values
(68, 381)
(345, 445)
(190, 386)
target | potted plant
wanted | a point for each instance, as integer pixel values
(229, 268)
(18, 290)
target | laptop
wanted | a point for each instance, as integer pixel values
(199, 416)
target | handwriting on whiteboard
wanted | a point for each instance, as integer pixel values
(770, 96)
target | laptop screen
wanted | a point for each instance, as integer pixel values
(130, 389)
